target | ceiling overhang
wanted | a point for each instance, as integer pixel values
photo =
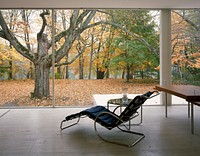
(70, 4)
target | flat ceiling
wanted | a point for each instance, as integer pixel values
(151, 4)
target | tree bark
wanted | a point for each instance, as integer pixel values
(100, 74)
(41, 80)
(42, 68)
(91, 56)
(81, 66)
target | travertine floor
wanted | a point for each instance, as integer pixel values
(35, 132)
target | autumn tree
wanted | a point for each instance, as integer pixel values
(8, 55)
(4, 67)
(101, 54)
(132, 54)
(185, 41)
(41, 56)
(79, 21)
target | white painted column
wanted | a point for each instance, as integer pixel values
(165, 52)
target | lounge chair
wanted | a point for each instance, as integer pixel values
(109, 119)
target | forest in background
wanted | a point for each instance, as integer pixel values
(105, 50)
(95, 44)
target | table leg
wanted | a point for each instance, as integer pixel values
(192, 118)
(141, 115)
(166, 104)
(188, 109)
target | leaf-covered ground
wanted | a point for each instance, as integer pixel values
(67, 92)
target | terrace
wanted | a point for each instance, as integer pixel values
(28, 132)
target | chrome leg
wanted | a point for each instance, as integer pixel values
(188, 109)
(120, 143)
(61, 124)
(141, 119)
(166, 104)
(192, 118)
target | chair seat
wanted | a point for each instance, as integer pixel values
(105, 119)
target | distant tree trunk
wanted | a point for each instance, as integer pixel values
(67, 55)
(142, 74)
(180, 72)
(91, 56)
(128, 73)
(123, 74)
(58, 72)
(80, 48)
(107, 73)
(108, 59)
(81, 66)
(10, 76)
(31, 74)
(67, 68)
(25, 18)
(100, 74)
(12, 27)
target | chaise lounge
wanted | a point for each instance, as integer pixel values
(109, 119)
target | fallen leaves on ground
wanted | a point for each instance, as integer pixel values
(67, 92)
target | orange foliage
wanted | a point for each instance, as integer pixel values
(180, 55)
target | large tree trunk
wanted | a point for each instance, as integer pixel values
(41, 80)
(42, 68)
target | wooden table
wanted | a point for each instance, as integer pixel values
(188, 92)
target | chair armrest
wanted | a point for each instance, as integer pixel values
(157, 93)
(116, 108)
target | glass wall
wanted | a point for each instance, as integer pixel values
(95, 52)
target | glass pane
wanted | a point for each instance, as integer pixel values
(103, 52)
(185, 46)
(97, 52)
(25, 57)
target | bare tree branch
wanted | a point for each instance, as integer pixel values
(74, 59)
(44, 23)
(82, 16)
(89, 18)
(187, 20)
(8, 35)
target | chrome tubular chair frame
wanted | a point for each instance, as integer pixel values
(61, 125)
(126, 131)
